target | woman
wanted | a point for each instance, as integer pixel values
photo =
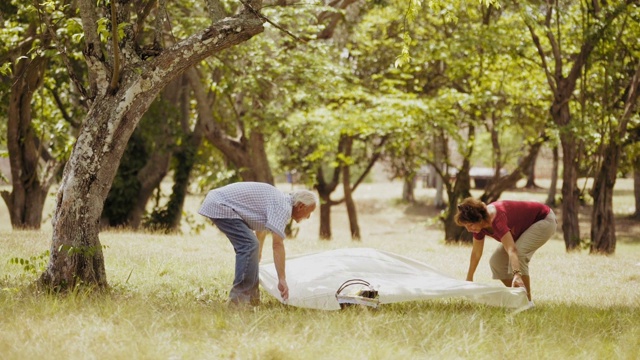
(521, 226)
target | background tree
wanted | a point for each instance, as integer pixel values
(38, 124)
(563, 67)
(603, 235)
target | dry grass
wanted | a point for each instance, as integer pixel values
(168, 300)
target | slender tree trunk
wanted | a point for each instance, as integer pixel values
(461, 190)
(408, 185)
(531, 177)
(26, 200)
(325, 215)
(553, 187)
(636, 187)
(603, 229)
(348, 196)
(149, 177)
(325, 189)
(168, 218)
(452, 232)
(185, 157)
(259, 162)
(247, 154)
(570, 194)
(439, 154)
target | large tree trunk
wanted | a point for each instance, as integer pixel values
(26, 200)
(76, 252)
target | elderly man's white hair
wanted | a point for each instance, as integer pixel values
(304, 196)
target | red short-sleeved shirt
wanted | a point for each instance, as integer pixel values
(515, 217)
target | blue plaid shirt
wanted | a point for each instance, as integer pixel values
(260, 205)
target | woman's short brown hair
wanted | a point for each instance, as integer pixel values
(471, 211)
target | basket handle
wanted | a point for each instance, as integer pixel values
(352, 282)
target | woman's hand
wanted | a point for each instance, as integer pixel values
(517, 281)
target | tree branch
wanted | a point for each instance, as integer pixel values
(115, 75)
(63, 111)
(266, 19)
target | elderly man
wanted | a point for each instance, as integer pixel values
(244, 212)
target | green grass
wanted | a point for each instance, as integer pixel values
(168, 301)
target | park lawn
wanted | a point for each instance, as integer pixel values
(167, 300)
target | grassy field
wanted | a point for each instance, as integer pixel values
(168, 298)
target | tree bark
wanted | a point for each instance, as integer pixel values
(76, 252)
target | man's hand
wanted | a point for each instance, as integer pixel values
(284, 289)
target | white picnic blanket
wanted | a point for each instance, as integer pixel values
(313, 280)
